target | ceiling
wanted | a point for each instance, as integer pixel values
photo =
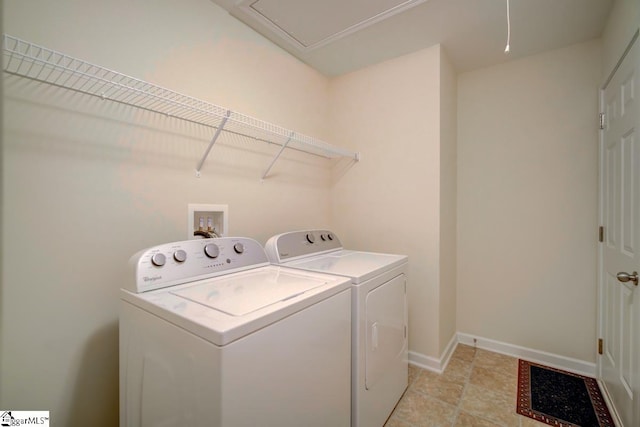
(339, 36)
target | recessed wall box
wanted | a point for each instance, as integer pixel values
(204, 220)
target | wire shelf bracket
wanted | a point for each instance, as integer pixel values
(29, 60)
(273, 162)
(213, 141)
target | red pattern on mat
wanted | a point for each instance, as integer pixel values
(524, 398)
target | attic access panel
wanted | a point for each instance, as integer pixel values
(309, 24)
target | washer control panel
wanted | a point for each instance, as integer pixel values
(287, 246)
(190, 260)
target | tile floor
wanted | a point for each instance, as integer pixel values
(477, 389)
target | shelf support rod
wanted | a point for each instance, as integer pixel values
(266, 172)
(213, 141)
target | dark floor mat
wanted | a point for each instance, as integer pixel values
(560, 398)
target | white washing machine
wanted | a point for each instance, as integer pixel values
(379, 315)
(211, 334)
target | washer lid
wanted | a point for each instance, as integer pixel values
(357, 265)
(241, 295)
(225, 308)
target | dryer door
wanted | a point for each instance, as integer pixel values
(386, 338)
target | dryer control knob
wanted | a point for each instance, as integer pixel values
(311, 238)
(329, 236)
(180, 255)
(323, 237)
(239, 248)
(158, 259)
(211, 250)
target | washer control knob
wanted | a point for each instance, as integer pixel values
(329, 236)
(211, 250)
(239, 248)
(180, 255)
(158, 259)
(323, 237)
(311, 238)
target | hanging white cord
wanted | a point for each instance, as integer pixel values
(506, 49)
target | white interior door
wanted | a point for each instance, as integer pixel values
(619, 363)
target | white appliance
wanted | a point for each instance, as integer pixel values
(211, 334)
(379, 315)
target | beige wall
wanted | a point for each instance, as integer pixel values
(87, 183)
(623, 22)
(448, 203)
(390, 202)
(527, 201)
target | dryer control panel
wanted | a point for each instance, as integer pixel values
(288, 246)
(190, 260)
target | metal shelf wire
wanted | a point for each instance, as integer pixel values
(26, 59)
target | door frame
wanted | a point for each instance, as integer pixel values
(600, 264)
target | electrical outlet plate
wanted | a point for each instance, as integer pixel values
(205, 215)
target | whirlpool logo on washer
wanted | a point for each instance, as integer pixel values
(24, 418)
(151, 279)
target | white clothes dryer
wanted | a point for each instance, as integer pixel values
(379, 315)
(211, 334)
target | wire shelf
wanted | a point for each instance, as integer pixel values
(45, 65)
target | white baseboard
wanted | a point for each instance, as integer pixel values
(448, 351)
(425, 362)
(542, 357)
(555, 361)
(432, 363)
